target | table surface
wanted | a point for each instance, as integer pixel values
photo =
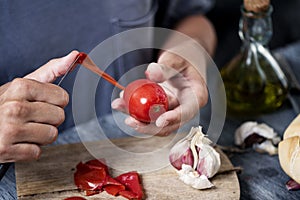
(261, 178)
(47, 180)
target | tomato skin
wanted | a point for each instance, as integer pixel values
(90, 176)
(93, 177)
(145, 100)
(133, 183)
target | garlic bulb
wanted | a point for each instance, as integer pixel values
(195, 159)
(259, 136)
(289, 150)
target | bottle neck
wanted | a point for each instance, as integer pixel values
(256, 27)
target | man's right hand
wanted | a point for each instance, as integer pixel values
(31, 110)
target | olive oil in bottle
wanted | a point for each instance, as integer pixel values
(254, 81)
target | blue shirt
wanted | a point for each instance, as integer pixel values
(33, 32)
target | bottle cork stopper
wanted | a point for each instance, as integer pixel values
(256, 5)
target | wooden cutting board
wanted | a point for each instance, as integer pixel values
(51, 177)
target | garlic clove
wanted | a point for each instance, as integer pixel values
(266, 147)
(243, 132)
(260, 136)
(249, 128)
(181, 154)
(265, 131)
(209, 161)
(253, 139)
(202, 183)
(293, 129)
(289, 157)
(276, 140)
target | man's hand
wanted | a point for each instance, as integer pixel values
(186, 91)
(31, 109)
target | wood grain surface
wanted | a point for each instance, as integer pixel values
(51, 177)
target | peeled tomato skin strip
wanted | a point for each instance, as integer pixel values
(93, 177)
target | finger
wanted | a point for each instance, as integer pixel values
(181, 114)
(3, 88)
(119, 104)
(132, 122)
(122, 94)
(40, 112)
(53, 69)
(159, 73)
(168, 130)
(31, 90)
(171, 93)
(169, 117)
(45, 113)
(151, 129)
(22, 152)
(36, 133)
(167, 66)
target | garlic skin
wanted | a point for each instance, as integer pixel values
(209, 161)
(289, 150)
(289, 157)
(292, 185)
(243, 132)
(248, 128)
(190, 177)
(205, 161)
(266, 133)
(181, 154)
(266, 146)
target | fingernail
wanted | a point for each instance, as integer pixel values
(65, 98)
(154, 72)
(122, 94)
(37, 152)
(73, 52)
(113, 105)
(147, 74)
(53, 134)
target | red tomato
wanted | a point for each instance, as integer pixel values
(145, 100)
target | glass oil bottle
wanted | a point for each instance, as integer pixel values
(253, 79)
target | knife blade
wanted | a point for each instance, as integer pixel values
(71, 66)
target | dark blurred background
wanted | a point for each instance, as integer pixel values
(226, 14)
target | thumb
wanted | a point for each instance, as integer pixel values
(159, 72)
(167, 66)
(53, 69)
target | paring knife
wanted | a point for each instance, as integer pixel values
(78, 60)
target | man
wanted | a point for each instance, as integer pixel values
(32, 106)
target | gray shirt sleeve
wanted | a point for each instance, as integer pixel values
(291, 53)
